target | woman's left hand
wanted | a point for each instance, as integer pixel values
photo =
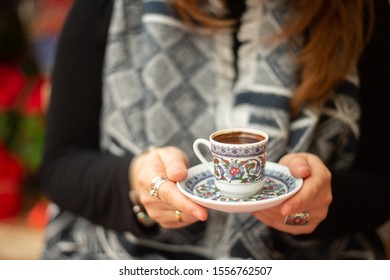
(310, 204)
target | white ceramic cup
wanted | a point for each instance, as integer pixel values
(238, 160)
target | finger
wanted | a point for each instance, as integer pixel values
(271, 212)
(298, 164)
(175, 163)
(312, 187)
(169, 193)
(176, 219)
(168, 217)
(167, 162)
(273, 216)
(278, 223)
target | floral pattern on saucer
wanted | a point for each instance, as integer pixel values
(207, 190)
(279, 185)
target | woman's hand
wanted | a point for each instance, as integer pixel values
(170, 163)
(314, 197)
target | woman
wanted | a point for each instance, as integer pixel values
(134, 74)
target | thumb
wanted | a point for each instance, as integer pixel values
(297, 164)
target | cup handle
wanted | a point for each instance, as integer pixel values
(205, 142)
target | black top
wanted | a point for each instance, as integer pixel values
(77, 176)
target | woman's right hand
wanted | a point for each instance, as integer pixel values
(170, 163)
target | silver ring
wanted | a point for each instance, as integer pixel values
(297, 219)
(155, 184)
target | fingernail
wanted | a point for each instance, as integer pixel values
(197, 214)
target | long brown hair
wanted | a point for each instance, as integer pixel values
(335, 39)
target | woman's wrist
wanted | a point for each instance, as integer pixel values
(137, 207)
(139, 210)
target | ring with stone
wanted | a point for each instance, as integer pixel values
(297, 219)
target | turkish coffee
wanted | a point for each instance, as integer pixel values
(238, 137)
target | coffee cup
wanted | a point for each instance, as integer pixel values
(238, 158)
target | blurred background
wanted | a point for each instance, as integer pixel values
(29, 30)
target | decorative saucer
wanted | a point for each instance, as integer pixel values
(279, 185)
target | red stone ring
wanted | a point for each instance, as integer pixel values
(297, 219)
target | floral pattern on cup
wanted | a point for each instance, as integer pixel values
(239, 171)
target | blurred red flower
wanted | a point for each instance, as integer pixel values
(11, 85)
(21, 133)
(10, 167)
(11, 177)
(34, 103)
